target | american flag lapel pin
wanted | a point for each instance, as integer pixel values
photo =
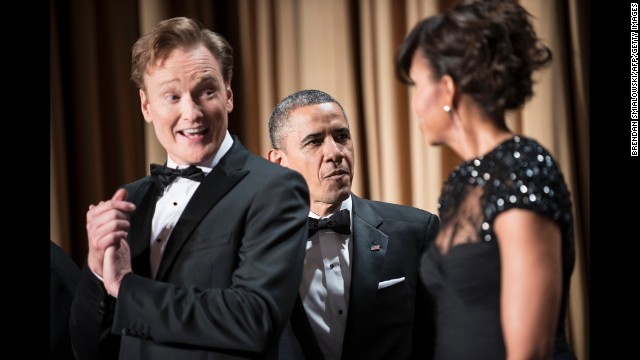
(375, 247)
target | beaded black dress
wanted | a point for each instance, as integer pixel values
(462, 269)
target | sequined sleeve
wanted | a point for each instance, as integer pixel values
(526, 177)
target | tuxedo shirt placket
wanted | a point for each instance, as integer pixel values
(169, 208)
(334, 259)
(331, 261)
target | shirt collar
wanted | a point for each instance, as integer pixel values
(224, 148)
(347, 204)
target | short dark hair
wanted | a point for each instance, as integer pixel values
(279, 118)
(488, 47)
(174, 33)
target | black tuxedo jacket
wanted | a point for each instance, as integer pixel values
(228, 278)
(395, 322)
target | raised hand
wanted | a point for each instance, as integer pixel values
(117, 263)
(107, 224)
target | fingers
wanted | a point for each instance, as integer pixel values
(105, 212)
(109, 268)
(117, 202)
(103, 206)
(107, 224)
(117, 263)
(109, 254)
(102, 224)
(125, 250)
(109, 239)
(120, 195)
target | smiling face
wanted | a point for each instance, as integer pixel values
(188, 102)
(318, 145)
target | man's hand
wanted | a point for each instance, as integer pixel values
(107, 224)
(117, 263)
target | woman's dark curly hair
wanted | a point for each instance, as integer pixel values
(489, 49)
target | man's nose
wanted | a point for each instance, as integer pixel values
(191, 109)
(333, 150)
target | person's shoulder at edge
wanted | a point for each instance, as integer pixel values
(62, 264)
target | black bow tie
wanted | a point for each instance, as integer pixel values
(339, 222)
(163, 176)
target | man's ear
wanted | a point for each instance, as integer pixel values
(278, 157)
(144, 106)
(229, 98)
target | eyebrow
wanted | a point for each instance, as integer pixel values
(311, 137)
(203, 78)
(315, 135)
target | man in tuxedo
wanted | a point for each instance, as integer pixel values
(202, 259)
(360, 296)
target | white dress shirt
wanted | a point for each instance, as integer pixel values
(172, 203)
(324, 288)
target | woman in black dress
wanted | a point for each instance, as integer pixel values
(501, 264)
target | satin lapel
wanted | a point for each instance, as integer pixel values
(365, 273)
(140, 230)
(214, 186)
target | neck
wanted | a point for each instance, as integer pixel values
(323, 209)
(206, 162)
(481, 141)
(475, 134)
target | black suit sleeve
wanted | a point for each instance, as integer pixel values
(424, 323)
(91, 319)
(251, 313)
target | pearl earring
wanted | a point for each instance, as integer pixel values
(446, 108)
